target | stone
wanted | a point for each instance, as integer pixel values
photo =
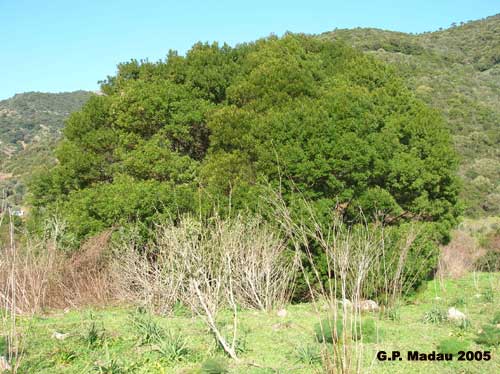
(345, 302)
(282, 313)
(368, 306)
(455, 315)
(59, 336)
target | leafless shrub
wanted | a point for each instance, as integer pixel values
(146, 277)
(353, 255)
(46, 277)
(238, 261)
(8, 297)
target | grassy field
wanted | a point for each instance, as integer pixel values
(117, 340)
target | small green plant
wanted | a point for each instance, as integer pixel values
(241, 345)
(172, 346)
(489, 336)
(309, 354)
(458, 301)
(434, 315)
(453, 346)
(95, 335)
(393, 313)
(367, 330)
(180, 310)
(148, 330)
(109, 367)
(329, 331)
(496, 319)
(3, 346)
(64, 356)
(464, 324)
(214, 366)
(488, 295)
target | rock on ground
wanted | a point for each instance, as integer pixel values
(455, 315)
(368, 306)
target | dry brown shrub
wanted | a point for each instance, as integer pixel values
(85, 275)
(40, 276)
(459, 255)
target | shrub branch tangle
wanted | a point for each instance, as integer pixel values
(231, 262)
(357, 259)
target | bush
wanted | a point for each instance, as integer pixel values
(489, 262)
(393, 313)
(453, 346)
(309, 354)
(434, 315)
(488, 295)
(489, 336)
(329, 331)
(299, 112)
(148, 330)
(95, 335)
(172, 346)
(367, 330)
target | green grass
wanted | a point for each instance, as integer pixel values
(111, 340)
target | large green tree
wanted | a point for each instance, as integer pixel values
(213, 126)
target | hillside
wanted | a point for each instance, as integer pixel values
(30, 124)
(456, 71)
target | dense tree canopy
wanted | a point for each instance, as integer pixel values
(210, 128)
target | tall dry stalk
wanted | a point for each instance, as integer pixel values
(9, 297)
(353, 255)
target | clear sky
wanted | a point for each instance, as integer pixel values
(65, 45)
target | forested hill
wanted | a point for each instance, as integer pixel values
(30, 125)
(457, 71)
(26, 118)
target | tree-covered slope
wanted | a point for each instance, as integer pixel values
(30, 125)
(456, 71)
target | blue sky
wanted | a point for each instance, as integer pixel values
(55, 46)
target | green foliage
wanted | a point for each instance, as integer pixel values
(208, 129)
(488, 336)
(172, 346)
(94, 333)
(64, 356)
(367, 331)
(435, 315)
(489, 262)
(393, 313)
(328, 330)
(488, 295)
(455, 71)
(148, 330)
(110, 367)
(214, 366)
(309, 354)
(458, 301)
(496, 319)
(453, 346)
